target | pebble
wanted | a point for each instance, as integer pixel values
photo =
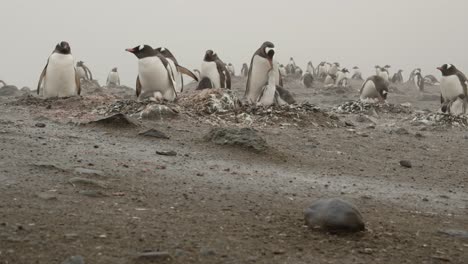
(74, 260)
(167, 153)
(155, 256)
(455, 233)
(406, 164)
(47, 196)
(207, 252)
(41, 125)
(154, 133)
(85, 181)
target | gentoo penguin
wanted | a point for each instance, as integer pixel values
(377, 70)
(342, 78)
(214, 73)
(357, 75)
(156, 77)
(308, 80)
(374, 89)
(84, 73)
(176, 68)
(413, 73)
(335, 67)
(453, 88)
(231, 69)
(322, 70)
(387, 68)
(2, 83)
(310, 68)
(431, 79)
(282, 70)
(59, 77)
(383, 72)
(269, 94)
(197, 73)
(260, 65)
(245, 70)
(291, 67)
(397, 77)
(113, 77)
(418, 81)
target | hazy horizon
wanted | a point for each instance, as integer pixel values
(365, 33)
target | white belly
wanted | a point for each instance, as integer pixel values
(333, 70)
(268, 96)
(341, 76)
(282, 70)
(384, 75)
(258, 77)
(113, 78)
(81, 73)
(328, 81)
(60, 76)
(450, 87)
(154, 78)
(310, 69)
(369, 92)
(210, 71)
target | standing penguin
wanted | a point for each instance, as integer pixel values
(413, 73)
(282, 70)
(176, 68)
(113, 78)
(269, 94)
(84, 73)
(59, 77)
(377, 70)
(231, 69)
(419, 81)
(310, 68)
(431, 80)
(453, 88)
(383, 72)
(322, 70)
(291, 67)
(357, 75)
(335, 67)
(155, 75)
(308, 80)
(214, 73)
(397, 77)
(245, 70)
(342, 78)
(374, 89)
(387, 68)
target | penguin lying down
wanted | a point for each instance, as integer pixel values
(273, 94)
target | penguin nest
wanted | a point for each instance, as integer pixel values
(211, 101)
(358, 107)
(440, 119)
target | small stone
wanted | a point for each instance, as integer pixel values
(154, 133)
(349, 124)
(334, 215)
(406, 164)
(41, 125)
(246, 138)
(425, 200)
(117, 121)
(167, 153)
(455, 233)
(207, 252)
(89, 182)
(465, 137)
(74, 260)
(47, 196)
(279, 252)
(155, 256)
(71, 236)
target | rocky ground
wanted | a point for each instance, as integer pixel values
(198, 187)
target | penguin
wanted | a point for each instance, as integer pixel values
(387, 68)
(334, 69)
(310, 68)
(197, 74)
(431, 80)
(374, 89)
(245, 70)
(377, 70)
(383, 72)
(322, 70)
(269, 94)
(419, 81)
(113, 78)
(357, 75)
(214, 73)
(397, 77)
(308, 80)
(260, 65)
(413, 73)
(282, 70)
(84, 73)
(298, 71)
(59, 77)
(231, 69)
(156, 77)
(2, 83)
(453, 88)
(342, 78)
(291, 67)
(176, 68)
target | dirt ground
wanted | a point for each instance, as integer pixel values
(220, 204)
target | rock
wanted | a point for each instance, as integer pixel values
(246, 138)
(155, 256)
(158, 112)
(25, 90)
(46, 196)
(9, 90)
(154, 133)
(397, 130)
(207, 252)
(334, 215)
(350, 124)
(89, 172)
(406, 164)
(465, 137)
(74, 260)
(167, 153)
(117, 121)
(41, 125)
(363, 119)
(89, 182)
(455, 233)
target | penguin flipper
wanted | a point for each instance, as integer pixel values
(78, 83)
(41, 78)
(187, 72)
(170, 74)
(138, 86)
(88, 72)
(249, 76)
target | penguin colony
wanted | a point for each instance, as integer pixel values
(160, 77)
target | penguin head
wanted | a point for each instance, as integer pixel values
(210, 55)
(387, 66)
(400, 71)
(344, 70)
(267, 50)
(355, 67)
(79, 64)
(114, 69)
(142, 51)
(447, 69)
(63, 48)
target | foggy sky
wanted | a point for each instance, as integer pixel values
(404, 34)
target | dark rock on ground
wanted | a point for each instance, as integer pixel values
(74, 260)
(334, 215)
(154, 256)
(154, 133)
(9, 90)
(117, 121)
(41, 125)
(245, 137)
(455, 233)
(46, 196)
(167, 153)
(406, 164)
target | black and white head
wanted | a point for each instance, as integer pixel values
(400, 71)
(344, 70)
(63, 48)
(267, 51)
(387, 66)
(114, 69)
(79, 64)
(377, 67)
(448, 69)
(210, 56)
(336, 64)
(142, 51)
(355, 68)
